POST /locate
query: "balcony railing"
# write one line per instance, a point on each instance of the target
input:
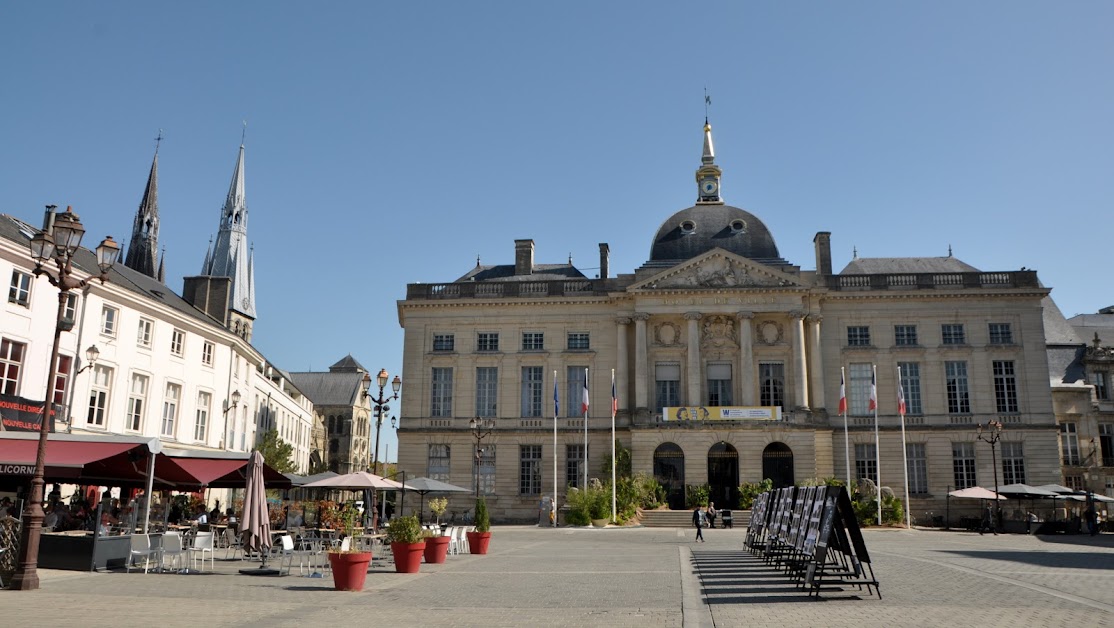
(506, 289)
(924, 281)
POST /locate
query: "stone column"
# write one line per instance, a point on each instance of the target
(800, 365)
(747, 377)
(622, 376)
(692, 361)
(816, 364)
(641, 396)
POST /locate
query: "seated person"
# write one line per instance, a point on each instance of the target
(201, 516)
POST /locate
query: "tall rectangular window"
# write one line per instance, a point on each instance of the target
(483, 459)
(69, 312)
(99, 390)
(533, 341)
(578, 341)
(858, 393)
(1005, 386)
(170, 410)
(866, 462)
(1013, 463)
(437, 466)
(143, 334)
(177, 342)
(667, 385)
(137, 402)
(771, 384)
(207, 353)
(62, 379)
(11, 364)
(905, 335)
(858, 336)
(487, 341)
(1001, 334)
(533, 385)
(959, 398)
(20, 290)
(719, 384)
(108, 320)
(575, 375)
(963, 465)
(1098, 380)
(487, 388)
(911, 385)
(1106, 443)
(529, 469)
(574, 465)
(918, 468)
(952, 334)
(201, 418)
(1069, 444)
(441, 392)
(444, 342)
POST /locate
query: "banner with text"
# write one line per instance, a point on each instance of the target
(722, 413)
(23, 415)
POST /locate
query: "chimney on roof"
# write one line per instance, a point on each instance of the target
(523, 257)
(823, 242)
(605, 259)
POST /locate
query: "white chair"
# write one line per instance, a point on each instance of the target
(285, 552)
(172, 548)
(202, 544)
(141, 546)
(451, 533)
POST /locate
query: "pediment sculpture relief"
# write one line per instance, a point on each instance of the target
(717, 272)
(719, 332)
(667, 334)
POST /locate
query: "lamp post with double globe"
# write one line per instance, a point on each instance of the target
(991, 435)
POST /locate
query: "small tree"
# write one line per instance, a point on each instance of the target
(623, 467)
(483, 521)
(277, 453)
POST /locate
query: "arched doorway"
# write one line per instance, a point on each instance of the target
(777, 464)
(723, 475)
(669, 471)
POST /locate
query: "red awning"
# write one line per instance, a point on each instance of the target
(74, 460)
(216, 472)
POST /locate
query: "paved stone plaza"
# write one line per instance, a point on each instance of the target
(620, 577)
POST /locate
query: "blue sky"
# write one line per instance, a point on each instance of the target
(392, 143)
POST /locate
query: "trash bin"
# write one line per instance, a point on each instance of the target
(726, 518)
(544, 510)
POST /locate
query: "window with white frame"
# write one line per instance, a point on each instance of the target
(487, 341)
(1005, 386)
(574, 465)
(69, 311)
(438, 462)
(137, 402)
(531, 391)
(1001, 334)
(20, 290)
(911, 385)
(858, 336)
(207, 353)
(441, 392)
(444, 342)
(487, 390)
(143, 335)
(574, 378)
(62, 379)
(866, 462)
(719, 384)
(201, 418)
(771, 384)
(100, 388)
(177, 341)
(108, 320)
(955, 379)
(170, 409)
(529, 469)
(918, 468)
(963, 465)
(905, 335)
(1069, 444)
(533, 341)
(860, 375)
(578, 341)
(952, 334)
(1013, 463)
(1098, 380)
(667, 385)
(484, 459)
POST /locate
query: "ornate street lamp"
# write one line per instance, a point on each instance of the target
(380, 403)
(481, 429)
(991, 435)
(60, 244)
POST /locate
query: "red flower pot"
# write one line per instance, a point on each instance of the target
(478, 541)
(408, 556)
(349, 570)
(436, 548)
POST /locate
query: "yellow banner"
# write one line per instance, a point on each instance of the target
(722, 413)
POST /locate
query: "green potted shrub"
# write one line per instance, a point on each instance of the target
(481, 537)
(407, 544)
(436, 546)
(349, 566)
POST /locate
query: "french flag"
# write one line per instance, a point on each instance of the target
(614, 399)
(584, 401)
(873, 393)
(900, 396)
(842, 394)
(556, 404)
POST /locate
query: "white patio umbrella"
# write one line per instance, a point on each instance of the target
(975, 492)
(358, 481)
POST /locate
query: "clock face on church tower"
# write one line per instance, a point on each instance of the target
(709, 187)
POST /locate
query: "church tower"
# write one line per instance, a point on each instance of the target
(708, 174)
(226, 286)
(143, 248)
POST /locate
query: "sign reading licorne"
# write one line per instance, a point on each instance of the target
(722, 413)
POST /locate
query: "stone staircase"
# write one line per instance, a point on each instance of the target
(683, 518)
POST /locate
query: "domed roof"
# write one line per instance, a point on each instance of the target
(698, 229)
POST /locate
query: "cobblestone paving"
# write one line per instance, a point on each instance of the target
(632, 577)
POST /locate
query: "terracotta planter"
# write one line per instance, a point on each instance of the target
(436, 548)
(349, 570)
(408, 556)
(478, 541)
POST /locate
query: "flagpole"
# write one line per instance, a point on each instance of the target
(904, 448)
(553, 506)
(613, 461)
(846, 437)
(877, 447)
(585, 406)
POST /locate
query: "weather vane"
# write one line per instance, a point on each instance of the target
(707, 103)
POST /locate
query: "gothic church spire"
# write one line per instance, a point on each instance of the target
(230, 256)
(143, 248)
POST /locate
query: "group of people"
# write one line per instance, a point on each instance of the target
(704, 517)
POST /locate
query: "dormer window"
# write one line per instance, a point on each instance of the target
(738, 226)
(688, 227)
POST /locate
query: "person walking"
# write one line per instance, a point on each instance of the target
(712, 514)
(698, 518)
(1092, 515)
(988, 521)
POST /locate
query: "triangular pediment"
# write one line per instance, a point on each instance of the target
(718, 269)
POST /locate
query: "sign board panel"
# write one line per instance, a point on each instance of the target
(721, 413)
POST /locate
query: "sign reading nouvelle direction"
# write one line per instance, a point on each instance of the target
(23, 415)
